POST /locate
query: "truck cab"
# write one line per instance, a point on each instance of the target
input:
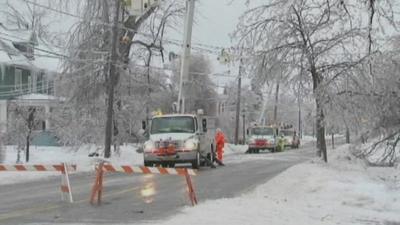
(262, 138)
(291, 138)
(178, 138)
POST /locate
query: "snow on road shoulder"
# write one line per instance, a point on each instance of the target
(344, 191)
(232, 149)
(57, 155)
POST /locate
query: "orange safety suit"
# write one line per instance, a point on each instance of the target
(220, 141)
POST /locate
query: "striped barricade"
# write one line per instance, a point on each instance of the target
(40, 168)
(103, 167)
(63, 168)
(148, 170)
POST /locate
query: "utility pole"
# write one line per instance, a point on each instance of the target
(238, 103)
(244, 128)
(111, 81)
(148, 99)
(261, 119)
(277, 97)
(187, 45)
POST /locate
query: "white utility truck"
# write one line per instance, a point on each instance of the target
(179, 138)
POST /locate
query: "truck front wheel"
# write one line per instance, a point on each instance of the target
(196, 162)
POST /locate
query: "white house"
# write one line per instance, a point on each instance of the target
(28, 66)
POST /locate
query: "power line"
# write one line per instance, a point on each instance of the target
(191, 73)
(201, 46)
(47, 51)
(65, 57)
(59, 56)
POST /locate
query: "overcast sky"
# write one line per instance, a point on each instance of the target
(215, 21)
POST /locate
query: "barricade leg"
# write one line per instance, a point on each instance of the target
(100, 190)
(65, 184)
(191, 191)
(98, 185)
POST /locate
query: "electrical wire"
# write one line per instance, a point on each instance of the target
(201, 46)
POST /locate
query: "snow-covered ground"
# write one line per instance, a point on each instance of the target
(344, 191)
(57, 155)
(128, 156)
(79, 157)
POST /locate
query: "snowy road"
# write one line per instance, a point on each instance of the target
(133, 199)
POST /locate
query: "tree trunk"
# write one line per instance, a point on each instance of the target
(244, 129)
(2, 149)
(148, 99)
(300, 130)
(27, 147)
(347, 135)
(276, 103)
(321, 142)
(30, 122)
(238, 107)
(111, 83)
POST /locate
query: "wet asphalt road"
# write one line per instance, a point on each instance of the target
(138, 198)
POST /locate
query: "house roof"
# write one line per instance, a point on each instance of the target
(43, 57)
(11, 56)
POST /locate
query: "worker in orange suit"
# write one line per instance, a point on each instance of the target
(220, 142)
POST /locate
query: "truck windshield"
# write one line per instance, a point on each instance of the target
(263, 131)
(178, 124)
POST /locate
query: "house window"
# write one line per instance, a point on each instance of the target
(18, 80)
(50, 87)
(39, 82)
(29, 84)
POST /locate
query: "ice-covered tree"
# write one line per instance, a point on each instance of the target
(87, 80)
(313, 36)
(23, 121)
(200, 91)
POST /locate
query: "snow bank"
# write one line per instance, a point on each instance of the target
(344, 191)
(307, 139)
(231, 149)
(57, 155)
(379, 153)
